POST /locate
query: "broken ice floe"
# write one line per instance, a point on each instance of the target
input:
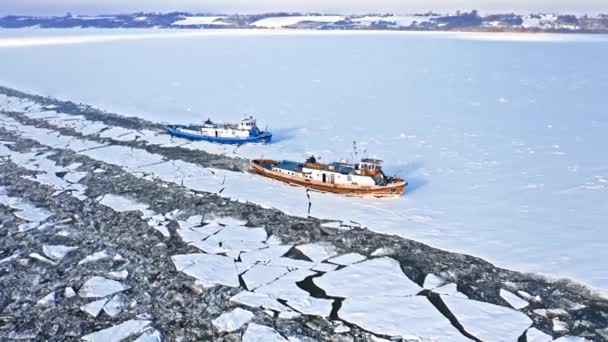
(411, 317)
(488, 322)
(112, 306)
(119, 332)
(97, 287)
(380, 276)
(232, 320)
(208, 269)
(261, 333)
(94, 308)
(318, 252)
(535, 335)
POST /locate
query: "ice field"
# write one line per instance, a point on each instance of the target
(502, 140)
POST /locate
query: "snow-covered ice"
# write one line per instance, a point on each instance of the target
(232, 320)
(467, 156)
(278, 22)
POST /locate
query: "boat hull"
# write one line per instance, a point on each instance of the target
(264, 137)
(390, 190)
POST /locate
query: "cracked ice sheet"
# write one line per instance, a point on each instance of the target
(118, 332)
(412, 317)
(208, 269)
(261, 333)
(285, 288)
(488, 322)
(318, 252)
(24, 210)
(375, 277)
(260, 275)
(121, 203)
(232, 320)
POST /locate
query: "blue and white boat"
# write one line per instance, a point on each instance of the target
(244, 132)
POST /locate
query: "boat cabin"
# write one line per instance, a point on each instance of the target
(370, 167)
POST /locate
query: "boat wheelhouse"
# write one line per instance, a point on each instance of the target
(246, 131)
(363, 178)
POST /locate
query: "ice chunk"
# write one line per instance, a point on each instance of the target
(209, 269)
(432, 281)
(411, 317)
(119, 275)
(151, 335)
(41, 258)
(69, 292)
(94, 257)
(97, 287)
(382, 251)
(94, 308)
(535, 335)
(57, 252)
(47, 300)
(233, 320)
(381, 276)
(261, 333)
(347, 259)
(10, 258)
(513, 299)
(114, 306)
(118, 332)
(488, 322)
(318, 252)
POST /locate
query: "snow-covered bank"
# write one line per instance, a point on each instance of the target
(502, 159)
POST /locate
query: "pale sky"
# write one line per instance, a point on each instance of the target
(60, 7)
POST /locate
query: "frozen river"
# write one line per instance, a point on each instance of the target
(503, 140)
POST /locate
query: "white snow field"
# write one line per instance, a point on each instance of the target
(501, 138)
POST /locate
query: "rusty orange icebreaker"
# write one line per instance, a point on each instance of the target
(362, 179)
